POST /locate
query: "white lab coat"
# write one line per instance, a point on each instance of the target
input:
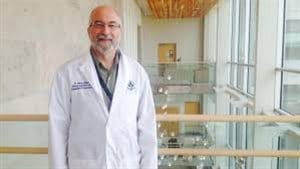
(84, 135)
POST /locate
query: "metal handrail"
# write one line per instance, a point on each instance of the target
(176, 151)
(23, 150)
(228, 118)
(177, 117)
(23, 117)
(226, 152)
(178, 63)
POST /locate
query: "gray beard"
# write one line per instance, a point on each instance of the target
(107, 50)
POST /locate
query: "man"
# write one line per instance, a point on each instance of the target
(101, 111)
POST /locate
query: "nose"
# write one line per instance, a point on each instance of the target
(106, 30)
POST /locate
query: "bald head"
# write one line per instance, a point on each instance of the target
(104, 30)
(105, 11)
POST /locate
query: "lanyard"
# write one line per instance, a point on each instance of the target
(102, 83)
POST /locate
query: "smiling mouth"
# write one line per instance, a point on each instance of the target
(105, 40)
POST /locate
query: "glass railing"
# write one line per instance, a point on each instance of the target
(197, 141)
(208, 162)
(179, 161)
(189, 135)
(181, 77)
(24, 161)
(24, 134)
(23, 142)
(183, 88)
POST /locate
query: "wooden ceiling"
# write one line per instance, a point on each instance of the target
(180, 8)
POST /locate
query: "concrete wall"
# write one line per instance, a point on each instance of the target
(132, 18)
(186, 33)
(38, 36)
(267, 44)
(211, 35)
(267, 38)
(217, 49)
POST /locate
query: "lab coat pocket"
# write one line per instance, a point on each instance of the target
(131, 99)
(85, 143)
(132, 162)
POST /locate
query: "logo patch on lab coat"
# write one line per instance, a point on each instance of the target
(81, 85)
(131, 85)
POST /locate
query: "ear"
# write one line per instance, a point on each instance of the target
(89, 32)
(88, 29)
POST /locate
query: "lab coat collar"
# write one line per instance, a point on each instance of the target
(120, 87)
(89, 72)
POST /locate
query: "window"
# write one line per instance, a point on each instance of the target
(252, 47)
(232, 128)
(237, 132)
(241, 131)
(242, 68)
(231, 134)
(243, 44)
(288, 141)
(290, 61)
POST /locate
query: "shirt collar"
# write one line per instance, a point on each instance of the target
(116, 59)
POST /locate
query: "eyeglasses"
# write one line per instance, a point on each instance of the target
(100, 25)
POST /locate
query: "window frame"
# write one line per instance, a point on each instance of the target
(280, 69)
(235, 63)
